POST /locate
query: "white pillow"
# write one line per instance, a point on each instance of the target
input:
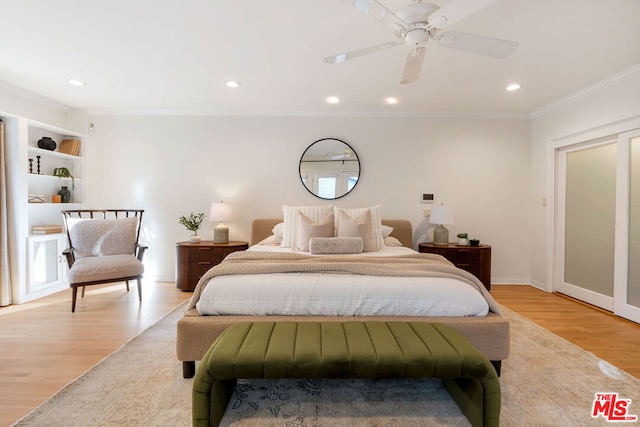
(392, 242)
(290, 227)
(357, 213)
(308, 229)
(386, 230)
(278, 230)
(358, 227)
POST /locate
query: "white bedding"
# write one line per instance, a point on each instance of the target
(339, 294)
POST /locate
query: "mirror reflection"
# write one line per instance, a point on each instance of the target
(329, 168)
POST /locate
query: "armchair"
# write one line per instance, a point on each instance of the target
(103, 248)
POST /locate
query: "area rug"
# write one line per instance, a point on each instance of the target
(546, 381)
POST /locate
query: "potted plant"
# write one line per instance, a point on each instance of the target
(65, 173)
(64, 192)
(192, 223)
(462, 239)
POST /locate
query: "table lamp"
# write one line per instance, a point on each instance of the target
(220, 212)
(441, 215)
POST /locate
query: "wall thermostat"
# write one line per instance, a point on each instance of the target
(426, 198)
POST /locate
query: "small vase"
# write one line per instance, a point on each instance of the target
(65, 194)
(46, 143)
(195, 238)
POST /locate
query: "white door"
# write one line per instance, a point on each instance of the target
(586, 222)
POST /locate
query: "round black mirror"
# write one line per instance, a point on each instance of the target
(329, 168)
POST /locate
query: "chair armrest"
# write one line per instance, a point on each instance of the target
(140, 251)
(70, 256)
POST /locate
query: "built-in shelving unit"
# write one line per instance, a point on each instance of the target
(41, 268)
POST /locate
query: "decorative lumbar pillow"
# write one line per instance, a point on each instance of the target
(308, 229)
(99, 237)
(335, 245)
(361, 227)
(290, 224)
(358, 214)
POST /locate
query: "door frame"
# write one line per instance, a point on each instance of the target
(613, 130)
(621, 263)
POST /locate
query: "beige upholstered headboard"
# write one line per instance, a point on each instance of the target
(402, 230)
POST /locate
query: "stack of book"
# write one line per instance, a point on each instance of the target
(46, 229)
(70, 146)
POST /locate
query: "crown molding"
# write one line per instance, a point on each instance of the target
(297, 113)
(628, 74)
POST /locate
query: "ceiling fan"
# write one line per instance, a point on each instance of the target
(420, 22)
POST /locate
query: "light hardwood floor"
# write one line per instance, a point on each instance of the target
(44, 346)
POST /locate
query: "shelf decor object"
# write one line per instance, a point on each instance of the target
(46, 143)
(220, 212)
(65, 194)
(441, 215)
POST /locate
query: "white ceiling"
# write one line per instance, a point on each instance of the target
(176, 55)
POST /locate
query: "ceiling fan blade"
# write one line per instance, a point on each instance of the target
(456, 10)
(480, 45)
(341, 57)
(413, 65)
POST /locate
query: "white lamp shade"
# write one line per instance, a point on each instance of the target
(220, 212)
(441, 215)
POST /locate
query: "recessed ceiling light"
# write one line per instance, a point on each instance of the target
(75, 82)
(513, 86)
(232, 84)
(333, 100)
(392, 100)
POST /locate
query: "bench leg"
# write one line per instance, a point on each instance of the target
(188, 369)
(139, 289)
(220, 396)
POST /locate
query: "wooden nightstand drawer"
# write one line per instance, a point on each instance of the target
(474, 259)
(195, 259)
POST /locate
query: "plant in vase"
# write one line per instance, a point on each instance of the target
(462, 239)
(64, 192)
(192, 223)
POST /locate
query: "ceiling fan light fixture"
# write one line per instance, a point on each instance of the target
(333, 100)
(513, 87)
(232, 84)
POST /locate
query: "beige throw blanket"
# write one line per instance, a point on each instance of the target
(415, 265)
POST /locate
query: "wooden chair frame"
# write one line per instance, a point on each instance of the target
(103, 214)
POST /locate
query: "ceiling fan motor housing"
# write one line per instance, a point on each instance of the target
(416, 37)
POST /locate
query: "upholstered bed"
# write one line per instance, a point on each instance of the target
(489, 332)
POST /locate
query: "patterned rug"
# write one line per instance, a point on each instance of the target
(546, 381)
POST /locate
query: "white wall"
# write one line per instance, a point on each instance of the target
(171, 166)
(606, 106)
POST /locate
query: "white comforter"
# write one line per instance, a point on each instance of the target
(340, 294)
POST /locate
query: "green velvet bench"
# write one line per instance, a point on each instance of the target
(350, 349)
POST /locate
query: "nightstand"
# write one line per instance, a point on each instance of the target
(474, 259)
(195, 259)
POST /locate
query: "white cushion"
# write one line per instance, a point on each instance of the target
(290, 213)
(93, 268)
(97, 237)
(361, 227)
(357, 215)
(308, 229)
